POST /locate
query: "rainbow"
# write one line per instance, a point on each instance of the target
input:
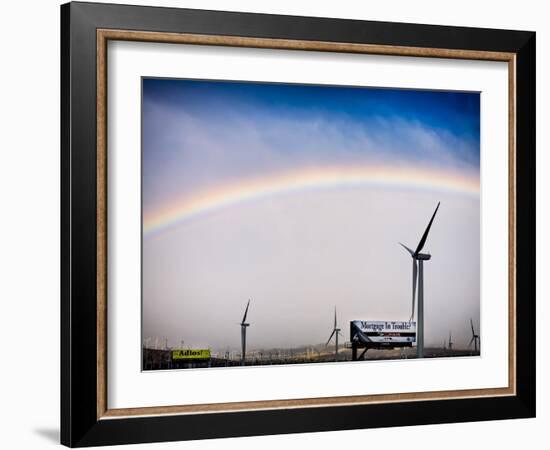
(254, 188)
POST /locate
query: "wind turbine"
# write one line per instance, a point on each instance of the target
(450, 342)
(418, 272)
(335, 333)
(475, 337)
(243, 333)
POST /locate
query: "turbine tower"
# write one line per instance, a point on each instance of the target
(475, 338)
(335, 333)
(243, 333)
(418, 272)
(450, 342)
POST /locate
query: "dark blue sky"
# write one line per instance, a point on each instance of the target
(457, 112)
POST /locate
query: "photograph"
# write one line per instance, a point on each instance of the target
(280, 222)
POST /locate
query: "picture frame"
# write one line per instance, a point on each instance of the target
(86, 29)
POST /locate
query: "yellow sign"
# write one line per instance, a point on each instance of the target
(191, 354)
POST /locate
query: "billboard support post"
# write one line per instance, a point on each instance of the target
(354, 347)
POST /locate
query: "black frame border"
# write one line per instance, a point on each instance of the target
(79, 423)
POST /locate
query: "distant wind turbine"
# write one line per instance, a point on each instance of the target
(335, 333)
(450, 342)
(243, 333)
(475, 338)
(418, 272)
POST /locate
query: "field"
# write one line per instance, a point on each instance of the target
(155, 359)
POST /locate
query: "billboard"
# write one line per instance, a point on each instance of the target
(380, 333)
(191, 354)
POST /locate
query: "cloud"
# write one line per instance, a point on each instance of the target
(183, 152)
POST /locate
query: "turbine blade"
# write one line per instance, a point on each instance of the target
(470, 344)
(246, 311)
(415, 276)
(331, 334)
(407, 248)
(472, 325)
(335, 326)
(425, 235)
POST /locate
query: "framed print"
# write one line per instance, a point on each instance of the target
(276, 224)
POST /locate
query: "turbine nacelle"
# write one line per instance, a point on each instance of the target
(415, 255)
(423, 256)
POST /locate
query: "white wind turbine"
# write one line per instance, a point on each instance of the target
(244, 325)
(475, 338)
(418, 272)
(335, 333)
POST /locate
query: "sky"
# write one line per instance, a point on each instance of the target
(296, 196)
